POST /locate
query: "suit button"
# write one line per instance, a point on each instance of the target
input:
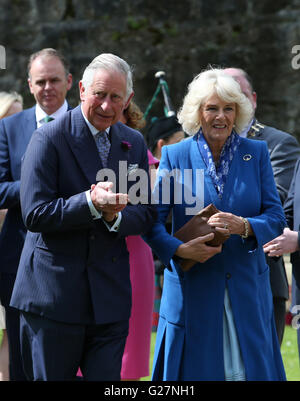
(114, 259)
(228, 275)
(92, 237)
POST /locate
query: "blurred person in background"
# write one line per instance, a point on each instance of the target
(163, 131)
(10, 103)
(49, 80)
(284, 151)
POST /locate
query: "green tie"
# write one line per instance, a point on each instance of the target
(47, 119)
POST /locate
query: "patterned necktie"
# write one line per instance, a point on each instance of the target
(47, 119)
(103, 145)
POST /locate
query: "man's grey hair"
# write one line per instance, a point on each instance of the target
(108, 61)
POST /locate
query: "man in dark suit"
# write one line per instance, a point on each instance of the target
(73, 284)
(49, 80)
(289, 241)
(284, 151)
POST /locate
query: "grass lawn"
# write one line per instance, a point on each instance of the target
(289, 351)
(290, 356)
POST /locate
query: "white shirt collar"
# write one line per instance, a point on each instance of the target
(40, 114)
(93, 129)
(246, 130)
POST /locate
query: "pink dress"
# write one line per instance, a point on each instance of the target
(135, 363)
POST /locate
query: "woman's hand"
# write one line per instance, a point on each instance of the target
(230, 222)
(197, 250)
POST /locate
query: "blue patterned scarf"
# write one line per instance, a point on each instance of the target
(219, 173)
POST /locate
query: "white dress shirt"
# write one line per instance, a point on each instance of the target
(94, 212)
(40, 114)
(247, 129)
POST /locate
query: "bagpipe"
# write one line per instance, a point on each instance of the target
(163, 87)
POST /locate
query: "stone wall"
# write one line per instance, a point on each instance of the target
(179, 37)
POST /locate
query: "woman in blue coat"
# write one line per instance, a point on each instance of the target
(216, 319)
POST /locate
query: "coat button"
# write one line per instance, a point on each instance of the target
(228, 275)
(92, 237)
(114, 259)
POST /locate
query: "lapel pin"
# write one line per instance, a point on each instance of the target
(247, 157)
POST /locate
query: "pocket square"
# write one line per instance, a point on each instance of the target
(132, 168)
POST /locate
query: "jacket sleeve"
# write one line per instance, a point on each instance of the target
(283, 159)
(163, 244)
(271, 221)
(43, 208)
(289, 202)
(9, 188)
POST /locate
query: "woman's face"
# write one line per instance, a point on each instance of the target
(217, 119)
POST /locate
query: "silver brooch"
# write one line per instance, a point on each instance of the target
(247, 157)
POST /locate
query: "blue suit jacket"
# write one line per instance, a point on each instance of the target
(189, 343)
(15, 134)
(72, 268)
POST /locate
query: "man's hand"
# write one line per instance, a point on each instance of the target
(197, 250)
(285, 243)
(106, 201)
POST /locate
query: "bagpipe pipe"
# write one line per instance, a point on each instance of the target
(163, 87)
(165, 126)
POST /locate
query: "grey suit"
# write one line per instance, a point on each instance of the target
(292, 213)
(284, 151)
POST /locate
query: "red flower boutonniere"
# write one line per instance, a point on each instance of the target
(126, 145)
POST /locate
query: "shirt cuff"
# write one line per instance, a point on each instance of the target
(98, 215)
(115, 227)
(94, 212)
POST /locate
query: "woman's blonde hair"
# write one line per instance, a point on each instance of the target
(6, 101)
(204, 85)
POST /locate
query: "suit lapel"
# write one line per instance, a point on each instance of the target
(83, 146)
(29, 124)
(117, 151)
(85, 150)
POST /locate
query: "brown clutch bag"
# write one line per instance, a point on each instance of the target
(196, 227)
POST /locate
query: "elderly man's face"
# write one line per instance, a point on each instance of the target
(105, 99)
(244, 84)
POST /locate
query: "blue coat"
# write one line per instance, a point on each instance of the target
(72, 269)
(190, 334)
